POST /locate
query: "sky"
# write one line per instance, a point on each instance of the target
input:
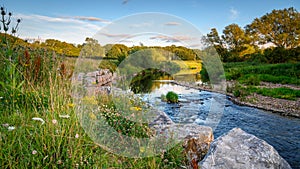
(151, 22)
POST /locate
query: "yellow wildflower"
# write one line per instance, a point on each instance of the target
(71, 105)
(92, 116)
(135, 108)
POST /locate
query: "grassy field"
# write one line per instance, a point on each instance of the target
(285, 73)
(38, 125)
(188, 67)
(251, 74)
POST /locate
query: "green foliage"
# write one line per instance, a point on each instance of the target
(108, 64)
(280, 27)
(279, 79)
(240, 91)
(142, 82)
(288, 70)
(115, 112)
(92, 48)
(172, 97)
(61, 48)
(212, 68)
(204, 74)
(250, 79)
(118, 51)
(281, 93)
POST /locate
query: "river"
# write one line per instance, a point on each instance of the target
(283, 133)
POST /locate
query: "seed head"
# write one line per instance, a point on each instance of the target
(3, 12)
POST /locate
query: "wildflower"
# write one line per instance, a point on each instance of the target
(71, 105)
(1, 97)
(64, 116)
(10, 128)
(54, 121)
(3, 12)
(5, 125)
(142, 149)
(92, 116)
(135, 108)
(38, 119)
(34, 152)
(59, 162)
(77, 136)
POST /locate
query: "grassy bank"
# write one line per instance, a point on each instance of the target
(285, 73)
(38, 125)
(250, 75)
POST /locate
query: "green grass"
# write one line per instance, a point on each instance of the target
(35, 85)
(286, 73)
(281, 93)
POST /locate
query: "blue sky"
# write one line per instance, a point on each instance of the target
(72, 21)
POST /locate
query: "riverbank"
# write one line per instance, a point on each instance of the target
(284, 107)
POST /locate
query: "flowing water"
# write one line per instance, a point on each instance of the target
(283, 133)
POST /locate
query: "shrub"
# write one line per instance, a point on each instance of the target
(172, 97)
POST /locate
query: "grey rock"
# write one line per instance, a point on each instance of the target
(239, 150)
(195, 139)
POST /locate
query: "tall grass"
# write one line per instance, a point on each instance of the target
(38, 126)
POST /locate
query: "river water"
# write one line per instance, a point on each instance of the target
(283, 133)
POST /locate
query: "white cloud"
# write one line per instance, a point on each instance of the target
(69, 29)
(172, 24)
(172, 38)
(234, 14)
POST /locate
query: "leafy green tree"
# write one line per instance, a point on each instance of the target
(92, 48)
(118, 51)
(215, 39)
(280, 27)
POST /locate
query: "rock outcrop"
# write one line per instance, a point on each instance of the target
(238, 149)
(98, 78)
(195, 139)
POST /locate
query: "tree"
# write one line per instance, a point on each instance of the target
(92, 48)
(118, 51)
(234, 37)
(215, 39)
(62, 48)
(280, 27)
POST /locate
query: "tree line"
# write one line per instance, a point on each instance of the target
(272, 38)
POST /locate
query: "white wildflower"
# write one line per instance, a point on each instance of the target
(1, 97)
(54, 121)
(34, 152)
(77, 136)
(10, 128)
(5, 125)
(38, 119)
(65, 116)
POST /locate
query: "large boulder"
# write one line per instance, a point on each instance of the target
(238, 149)
(195, 139)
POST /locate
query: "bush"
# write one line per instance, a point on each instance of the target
(172, 97)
